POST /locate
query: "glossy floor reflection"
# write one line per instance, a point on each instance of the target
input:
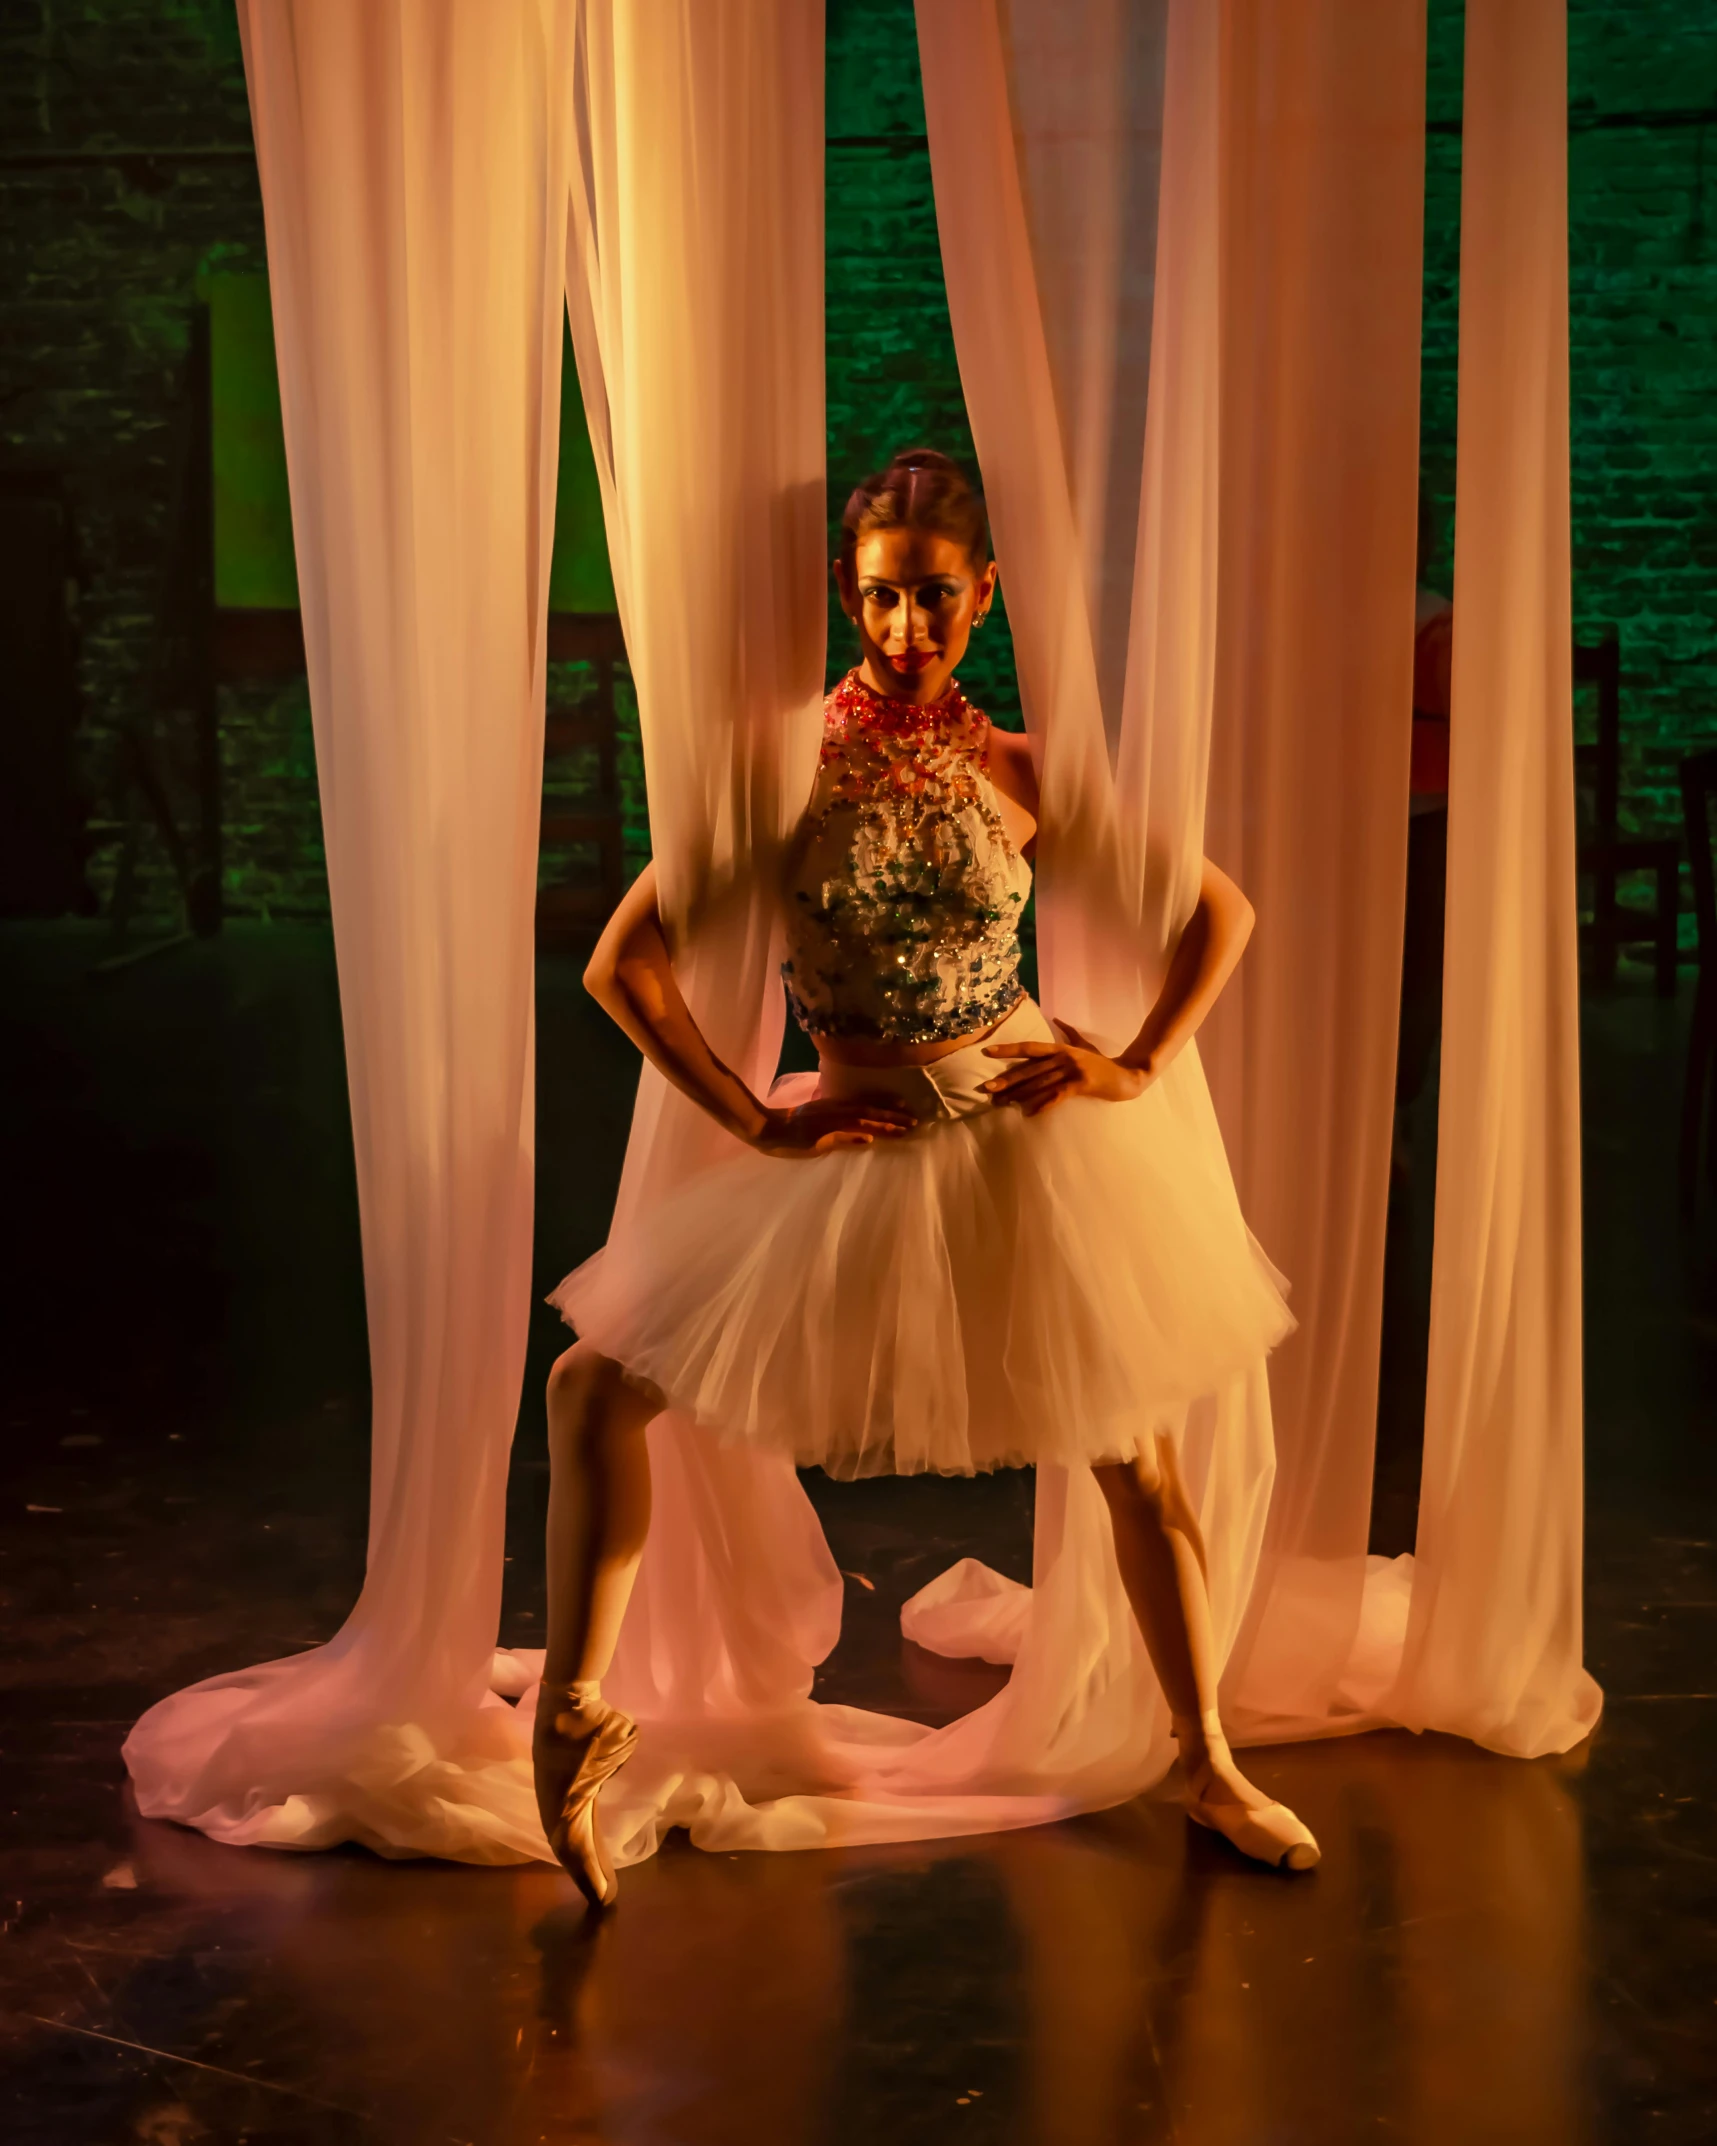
(1102, 1981)
(1490, 1951)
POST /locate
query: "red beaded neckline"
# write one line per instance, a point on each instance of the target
(856, 697)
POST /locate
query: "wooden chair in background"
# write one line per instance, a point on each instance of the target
(44, 808)
(170, 769)
(209, 635)
(1699, 1095)
(269, 645)
(1605, 853)
(572, 910)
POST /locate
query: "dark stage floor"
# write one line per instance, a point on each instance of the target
(1491, 1951)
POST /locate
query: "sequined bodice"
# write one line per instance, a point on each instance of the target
(903, 891)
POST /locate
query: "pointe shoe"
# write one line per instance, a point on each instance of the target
(1267, 1832)
(570, 1770)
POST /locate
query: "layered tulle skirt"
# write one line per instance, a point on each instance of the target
(989, 1291)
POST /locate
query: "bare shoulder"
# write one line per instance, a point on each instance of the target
(1012, 768)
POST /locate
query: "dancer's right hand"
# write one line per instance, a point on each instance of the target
(830, 1122)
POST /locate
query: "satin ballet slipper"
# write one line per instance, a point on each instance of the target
(571, 1763)
(1266, 1832)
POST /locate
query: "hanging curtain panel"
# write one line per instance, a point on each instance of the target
(695, 288)
(1243, 367)
(1270, 632)
(695, 279)
(1494, 1636)
(414, 185)
(1182, 251)
(1322, 159)
(1077, 188)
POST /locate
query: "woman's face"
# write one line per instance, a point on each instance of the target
(913, 595)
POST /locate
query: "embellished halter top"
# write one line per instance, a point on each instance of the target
(903, 891)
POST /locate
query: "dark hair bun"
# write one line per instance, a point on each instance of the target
(921, 488)
(925, 458)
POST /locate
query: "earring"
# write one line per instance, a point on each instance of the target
(978, 617)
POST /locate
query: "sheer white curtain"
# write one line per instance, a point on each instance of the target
(1047, 142)
(1262, 576)
(1494, 1638)
(695, 286)
(695, 273)
(1181, 246)
(415, 163)
(1322, 155)
(1269, 576)
(414, 186)
(1074, 156)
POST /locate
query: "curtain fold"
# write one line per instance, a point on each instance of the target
(1074, 158)
(413, 182)
(1322, 163)
(1060, 170)
(1240, 363)
(1182, 255)
(1272, 304)
(1493, 1646)
(694, 277)
(694, 280)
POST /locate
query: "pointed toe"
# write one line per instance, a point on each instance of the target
(571, 1774)
(1265, 1833)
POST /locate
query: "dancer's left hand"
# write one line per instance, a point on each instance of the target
(1048, 1073)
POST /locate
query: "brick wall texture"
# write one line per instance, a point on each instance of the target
(125, 171)
(125, 167)
(1642, 97)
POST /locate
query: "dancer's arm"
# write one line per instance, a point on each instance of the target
(631, 977)
(1204, 958)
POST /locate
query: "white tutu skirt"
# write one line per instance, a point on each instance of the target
(987, 1292)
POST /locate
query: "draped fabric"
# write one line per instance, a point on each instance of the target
(1322, 154)
(1264, 579)
(1494, 1634)
(1181, 244)
(413, 185)
(1047, 143)
(1260, 621)
(695, 280)
(694, 277)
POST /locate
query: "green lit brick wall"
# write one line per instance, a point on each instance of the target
(127, 183)
(1643, 333)
(125, 169)
(125, 172)
(1643, 357)
(892, 377)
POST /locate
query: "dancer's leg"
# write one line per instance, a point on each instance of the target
(599, 1515)
(1160, 1550)
(598, 1510)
